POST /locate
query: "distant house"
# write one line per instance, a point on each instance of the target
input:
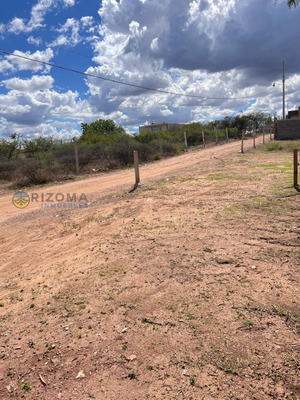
(164, 127)
(294, 114)
(289, 128)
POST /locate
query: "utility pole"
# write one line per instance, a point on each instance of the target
(283, 82)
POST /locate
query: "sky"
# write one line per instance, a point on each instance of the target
(227, 52)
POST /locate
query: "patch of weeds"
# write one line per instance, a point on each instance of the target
(281, 146)
(171, 307)
(162, 184)
(50, 346)
(26, 386)
(215, 177)
(90, 219)
(67, 227)
(90, 327)
(292, 316)
(149, 367)
(248, 323)
(232, 209)
(275, 167)
(1, 304)
(132, 375)
(226, 362)
(124, 347)
(192, 380)
(9, 373)
(32, 305)
(118, 193)
(246, 306)
(184, 179)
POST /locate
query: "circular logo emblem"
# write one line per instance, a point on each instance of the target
(21, 199)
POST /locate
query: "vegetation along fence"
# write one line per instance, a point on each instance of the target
(103, 146)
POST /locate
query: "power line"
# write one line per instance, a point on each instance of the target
(131, 84)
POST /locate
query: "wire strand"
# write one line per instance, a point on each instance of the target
(131, 84)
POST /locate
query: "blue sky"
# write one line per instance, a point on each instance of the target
(228, 51)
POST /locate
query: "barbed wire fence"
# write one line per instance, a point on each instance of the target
(75, 156)
(159, 146)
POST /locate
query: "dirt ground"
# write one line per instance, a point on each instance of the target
(187, 288)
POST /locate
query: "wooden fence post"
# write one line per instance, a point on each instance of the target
(254, 134)
(270, 133)
(160, 146)
(203, 139)
(216, 135)
(227, 135)
(136, 167)
(242, 143)
(295, 168)
(76, 156)
(264, 134)
(185, 141)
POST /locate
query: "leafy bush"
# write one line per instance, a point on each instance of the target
(35, 172)
(274, 146)
(102, 145)
(9, 169)
(283, 145)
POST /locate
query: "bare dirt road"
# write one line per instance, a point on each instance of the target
(187, 288)
(105, 183)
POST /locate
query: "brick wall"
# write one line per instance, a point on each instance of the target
(287, 129)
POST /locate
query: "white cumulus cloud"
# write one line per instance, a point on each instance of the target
(34, 84)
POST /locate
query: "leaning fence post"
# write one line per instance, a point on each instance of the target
(136, 167)
(76, 156)
(227, 135)
(185, 141)
(203, 139)
(295, 168)
(242, 143)
(254, 134)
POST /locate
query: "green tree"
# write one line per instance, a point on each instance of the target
(193, 133)
(256, 119)
(291, 3)
(269, 120)
(38, 145)
(97, 129)
(240, 121)
(11, 147)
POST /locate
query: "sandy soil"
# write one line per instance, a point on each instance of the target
(187, 288)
